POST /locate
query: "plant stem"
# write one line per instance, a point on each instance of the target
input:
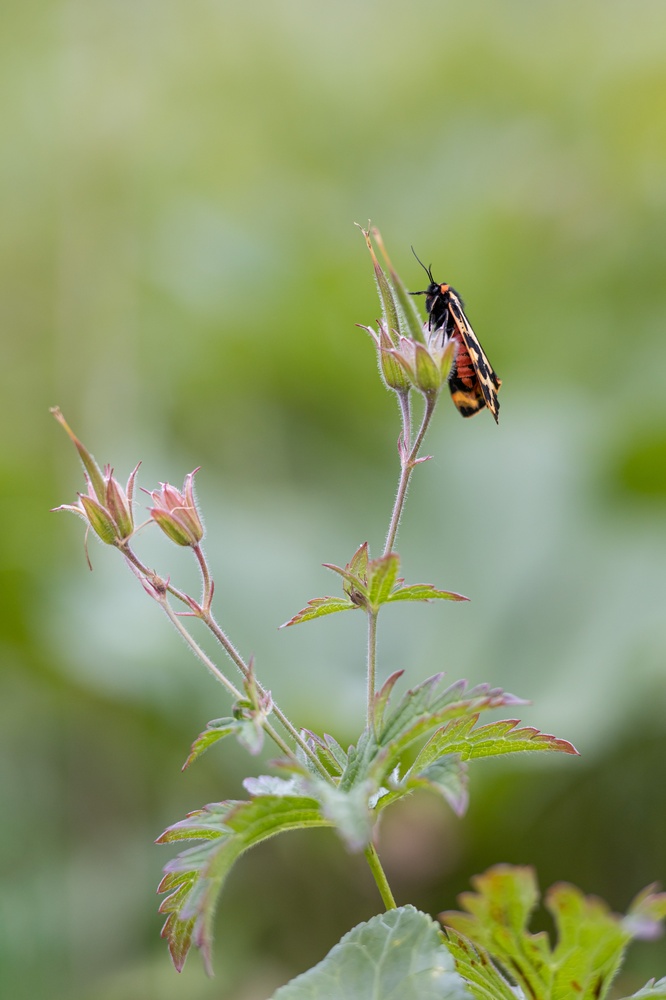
(380, 877)
(229, 649)
(216, 672)
(205, 577)
(372, 666)
(134, 561)
(408, 463)
(238, 660)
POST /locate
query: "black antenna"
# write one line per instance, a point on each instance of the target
(428, 270)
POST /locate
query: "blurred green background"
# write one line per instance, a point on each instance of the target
(182, 276)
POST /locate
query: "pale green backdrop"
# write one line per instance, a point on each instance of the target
(182, 276)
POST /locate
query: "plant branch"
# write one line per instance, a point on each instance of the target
(216, 672)
(408, 463)
(238, 660)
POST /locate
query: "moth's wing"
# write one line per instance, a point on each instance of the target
(485, 373)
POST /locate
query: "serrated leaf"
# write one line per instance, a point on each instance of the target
(328, 751)
(424, 592)
(358, 564)
(217, 730)
(382, 576)
(382, 697)
(460, 737)
(398, 955)
(318, 607)
(420, 710)
(591, 940)
(483, 979)
(195, 877)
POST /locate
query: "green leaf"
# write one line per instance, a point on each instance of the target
(448, 776)
(320, 606)
(217, 730)
(373, 763)
(484, 980)
(382, 575)
(460, 737)
(358, 564)
(195, 877)
(424, 592)
(382, 697)
(591, 940)
(348, 811)
(651, 991)
(398, 955)
(420, 710)
(330, 752)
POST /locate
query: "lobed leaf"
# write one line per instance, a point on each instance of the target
(460, 737)
(424, 592)
(382, 576)
(591, 940)
(398, 955)
(194, 878)
(320, 606)
(217, 730)
(483, 979)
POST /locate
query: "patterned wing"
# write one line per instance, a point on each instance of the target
(474, 383)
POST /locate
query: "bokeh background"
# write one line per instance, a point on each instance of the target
(182, 275)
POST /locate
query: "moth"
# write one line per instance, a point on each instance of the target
(473, 383)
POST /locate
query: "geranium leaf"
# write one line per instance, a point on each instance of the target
(591, 940)
(424, 592)
(398, 955)
(195, 877)
(318, 607)
(460, 737)
(382, 575)
(483, 979)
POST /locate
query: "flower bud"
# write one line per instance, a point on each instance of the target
(106, 507)
(176, 513)
(98, 518)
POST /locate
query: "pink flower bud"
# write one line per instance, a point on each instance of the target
(176, 512)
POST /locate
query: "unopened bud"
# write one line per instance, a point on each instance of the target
(176, 513)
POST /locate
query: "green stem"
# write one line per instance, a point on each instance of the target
(408, 463)
(380, 877)
(205, 577)
(150, 574)
(216, 672)
(238, 660)
(372, 666)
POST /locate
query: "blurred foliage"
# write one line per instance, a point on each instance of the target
(182, 276)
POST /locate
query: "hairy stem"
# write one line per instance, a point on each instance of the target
(205, 577)
(149, 574)
(216, 672)
(238, 660)
(408, 462)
